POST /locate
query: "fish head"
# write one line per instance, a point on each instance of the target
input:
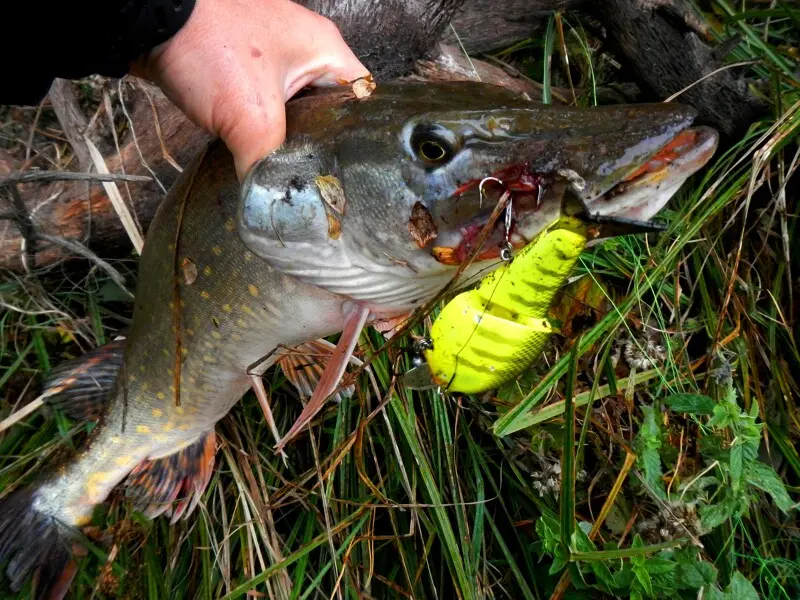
(380, 199)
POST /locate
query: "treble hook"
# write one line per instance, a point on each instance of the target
(480, 188)
(505, 253)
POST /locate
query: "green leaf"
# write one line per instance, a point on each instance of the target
(741, 589)
(549, 531)
(624, 579)
(636, 595)
(657, 566)
(765, 478)
(603, 573)
(643, 577)
(581, 539)
(696, 404)
(688, 576)
(708, 571)
(737, 464)
(560, 560)
(648, 442)
(716, 514)
(722, 417)
(691, 572)
(715, 594)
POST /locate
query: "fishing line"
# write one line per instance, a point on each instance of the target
(506, 257)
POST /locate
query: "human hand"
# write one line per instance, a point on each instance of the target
(235, 63)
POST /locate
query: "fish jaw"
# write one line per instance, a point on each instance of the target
(644, 193)
(401, 218)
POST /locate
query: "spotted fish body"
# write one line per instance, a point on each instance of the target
(229, 273)
(486, 336)
(224, 329)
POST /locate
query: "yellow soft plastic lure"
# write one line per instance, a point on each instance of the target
(488, 335)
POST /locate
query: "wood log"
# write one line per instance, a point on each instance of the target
(486, 25)
(660, 45)
(74, 210)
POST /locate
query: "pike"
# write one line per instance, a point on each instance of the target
(362, 216)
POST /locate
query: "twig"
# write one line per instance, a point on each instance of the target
(466, 54)
(78, 248)
(110, 114)
(165, 153)
(29, 408)
(32, 134)
(25, 225)
(33, 176)
(73, 122)
(744, 63)
(123, 212)
(135, 139)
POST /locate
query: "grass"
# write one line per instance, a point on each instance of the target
(679, 477)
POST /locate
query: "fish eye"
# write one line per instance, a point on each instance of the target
(432, 146)
(432, 150)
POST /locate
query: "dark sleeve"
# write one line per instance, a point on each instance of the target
(72, 39)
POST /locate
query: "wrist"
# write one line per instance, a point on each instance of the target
(148, 26)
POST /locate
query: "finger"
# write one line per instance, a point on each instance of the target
(252, 127)
(324, 58)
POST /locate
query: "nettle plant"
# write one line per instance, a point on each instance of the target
(664, 559)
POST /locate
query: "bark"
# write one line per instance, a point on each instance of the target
(72, 120)
(658, 42)
(81, 211)
(388, 36)
(485, 25)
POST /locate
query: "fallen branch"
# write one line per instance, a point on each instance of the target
(41, 176)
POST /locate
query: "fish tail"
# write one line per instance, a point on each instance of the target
(33, 541)
(82, 387)
(40, 524)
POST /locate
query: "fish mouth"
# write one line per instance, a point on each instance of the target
(639, 193)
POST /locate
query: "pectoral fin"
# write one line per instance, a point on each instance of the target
(304, 366)
(354, 322)
(389, 327)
